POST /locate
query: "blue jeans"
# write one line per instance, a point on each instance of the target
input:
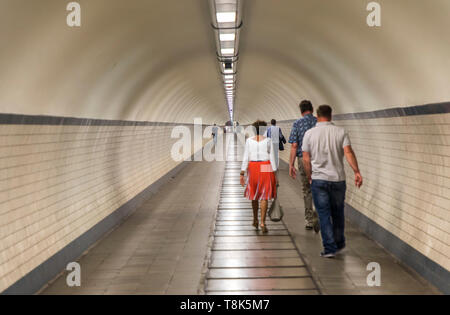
(329, 199)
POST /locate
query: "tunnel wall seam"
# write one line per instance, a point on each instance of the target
(404, 156)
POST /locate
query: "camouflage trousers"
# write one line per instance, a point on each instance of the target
(310, 214)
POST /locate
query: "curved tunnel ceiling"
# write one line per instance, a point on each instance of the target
(324, 51)
(155, 60)
(130, 60)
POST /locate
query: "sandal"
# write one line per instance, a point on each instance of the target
(264, 229)
(255, 224)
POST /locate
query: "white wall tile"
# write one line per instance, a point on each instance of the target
(56, 182)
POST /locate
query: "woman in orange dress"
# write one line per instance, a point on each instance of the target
(259, 162)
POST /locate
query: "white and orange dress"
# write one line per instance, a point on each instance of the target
(259, 161)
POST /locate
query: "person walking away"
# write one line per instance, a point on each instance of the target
(214, 133)
(274, 132)
(324, 148)
(300, 127)
(259, 163)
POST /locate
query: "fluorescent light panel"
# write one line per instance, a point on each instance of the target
(228, 14)
(226, 17)
(227, 37)
(227, 51)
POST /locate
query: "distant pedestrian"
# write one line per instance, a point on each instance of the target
(324, 148)
(215, 130)
(259, 162)
(300, 127)
(274, 132)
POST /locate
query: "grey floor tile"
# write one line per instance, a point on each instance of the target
(255, 262)
(251, 239)
(253, 246)
(257, 273)
(261, 292)
(254, 254)
(251, 233)
(260, 284)
(151, 242)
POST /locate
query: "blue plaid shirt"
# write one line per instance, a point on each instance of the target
(300, 127)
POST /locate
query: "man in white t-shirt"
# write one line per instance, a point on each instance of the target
(324, 148)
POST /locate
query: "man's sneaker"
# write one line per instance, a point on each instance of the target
(309, 226)
(316, 226)
(340, 250)
(327, 255)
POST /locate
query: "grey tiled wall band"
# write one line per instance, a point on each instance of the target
(429, 109)
(16, 119)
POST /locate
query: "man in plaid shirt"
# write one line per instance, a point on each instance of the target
(300, 127)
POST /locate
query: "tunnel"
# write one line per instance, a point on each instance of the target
(95, 95)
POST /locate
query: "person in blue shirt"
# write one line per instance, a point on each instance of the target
(300, 127)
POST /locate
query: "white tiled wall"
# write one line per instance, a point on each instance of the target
(56, 182)
(405, 162)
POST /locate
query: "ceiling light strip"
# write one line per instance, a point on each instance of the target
(226, 22)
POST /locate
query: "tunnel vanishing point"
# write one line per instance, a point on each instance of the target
(93, 95)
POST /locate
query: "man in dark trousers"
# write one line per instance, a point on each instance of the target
(300, 127)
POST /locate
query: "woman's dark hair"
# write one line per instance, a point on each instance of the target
(258, 124)
(306, 106)
(273, 122)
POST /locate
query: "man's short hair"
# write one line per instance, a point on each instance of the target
(324, 111)
(273, 122)
(306, 106)
(258, 125)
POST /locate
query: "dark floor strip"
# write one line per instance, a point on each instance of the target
(246, 261)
